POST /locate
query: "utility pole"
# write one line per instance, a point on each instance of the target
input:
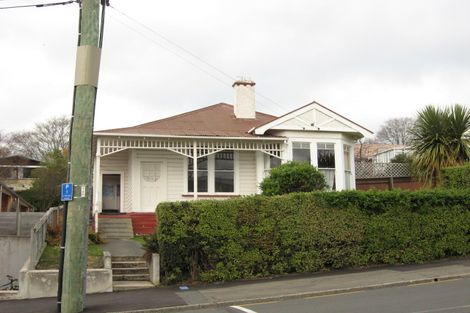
(86, 82)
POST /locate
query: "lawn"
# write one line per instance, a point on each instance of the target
(139, 239)
(50, 257)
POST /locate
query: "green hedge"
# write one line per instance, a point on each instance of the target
(456, 177)
(258, 236)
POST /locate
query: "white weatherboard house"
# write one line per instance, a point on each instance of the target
(218, 151)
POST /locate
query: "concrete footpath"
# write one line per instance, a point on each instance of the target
(171, 299)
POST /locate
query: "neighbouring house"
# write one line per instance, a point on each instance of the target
(10, 201)
(386, 155)
(219, 151)
(378, 153)
(374, 169)
(16, 170)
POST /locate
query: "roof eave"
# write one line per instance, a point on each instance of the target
(187, 137)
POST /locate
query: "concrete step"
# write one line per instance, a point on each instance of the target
(131, 277)
(115, 236)
(118, 226)
(131, 270)
(126, 258)
(128, 264)
(115, 228)
(131, 285)
(114, 220)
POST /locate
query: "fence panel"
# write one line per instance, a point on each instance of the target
(366, 170)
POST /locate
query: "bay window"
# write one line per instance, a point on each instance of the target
(301, 152)
(326, 162)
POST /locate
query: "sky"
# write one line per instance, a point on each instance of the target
(369, 60)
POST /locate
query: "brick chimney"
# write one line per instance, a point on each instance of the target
(244, 99)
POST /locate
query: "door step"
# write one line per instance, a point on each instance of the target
(115, 228)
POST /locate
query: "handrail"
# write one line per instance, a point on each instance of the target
(38, 235)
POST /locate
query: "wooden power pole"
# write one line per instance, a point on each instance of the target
(86, 82)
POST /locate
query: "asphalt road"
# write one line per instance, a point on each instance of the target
(452, 296)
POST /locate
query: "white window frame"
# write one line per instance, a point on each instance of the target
(211, 176)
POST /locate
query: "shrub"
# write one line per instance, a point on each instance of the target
(402, 158)
(456, 177)
(94, 237)
(150, 246)
(213, 240)
(293, 177)
(53, 235)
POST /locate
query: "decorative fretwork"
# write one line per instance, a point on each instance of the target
(382, 170)
(107, 146)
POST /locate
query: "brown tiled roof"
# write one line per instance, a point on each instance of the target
(215, 120)
(18, 160)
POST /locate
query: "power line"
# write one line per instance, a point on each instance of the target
(180, 47)
(39, 5)
(171, 42)
(170, 50)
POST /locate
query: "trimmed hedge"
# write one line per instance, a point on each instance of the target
(456, 177)
(257, 236)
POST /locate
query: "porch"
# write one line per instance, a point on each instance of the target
(134, 174)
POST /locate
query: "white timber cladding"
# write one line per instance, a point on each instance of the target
(117, 163)
(247, 179)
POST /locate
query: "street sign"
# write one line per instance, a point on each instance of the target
(66, 192)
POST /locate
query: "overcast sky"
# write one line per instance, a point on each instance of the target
(369, 60)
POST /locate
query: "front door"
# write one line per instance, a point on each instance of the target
(111, 195)
(152, 185)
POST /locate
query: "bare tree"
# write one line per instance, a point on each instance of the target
(48, 136)
(4, 151)
(395, 131)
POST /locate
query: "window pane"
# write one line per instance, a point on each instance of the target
(326, 158)
(347, 158)
(201, 164)
(274, 162)
(301, 152)
(301, 145)
(201, 181)
(301, 155)
(224, 161)
(224, 182)
(27, 172)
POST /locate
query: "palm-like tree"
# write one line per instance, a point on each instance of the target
(440, 138)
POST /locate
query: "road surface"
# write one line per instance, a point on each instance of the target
(451, 296)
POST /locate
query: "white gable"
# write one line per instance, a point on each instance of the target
(314, 117)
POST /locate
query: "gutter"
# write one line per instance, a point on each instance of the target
(189, 137)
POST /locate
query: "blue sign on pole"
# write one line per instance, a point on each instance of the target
(66, 192)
